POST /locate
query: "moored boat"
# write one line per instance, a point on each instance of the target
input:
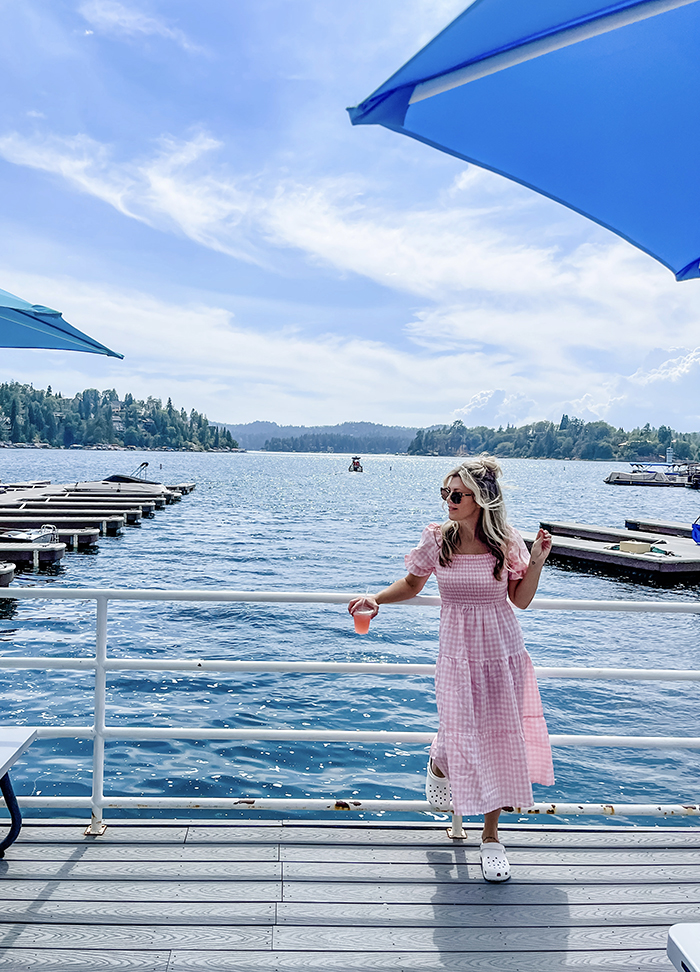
(654, 474)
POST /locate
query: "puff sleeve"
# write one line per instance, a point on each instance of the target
(518, 556)
(423, 559)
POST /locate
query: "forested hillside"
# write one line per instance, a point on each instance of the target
(333, 442)
(345, 437)
(570, 439)
(94, 418)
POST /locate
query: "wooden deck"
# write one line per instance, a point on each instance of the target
(251, 896)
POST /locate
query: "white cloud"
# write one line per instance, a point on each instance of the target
(495, 407)
(109, 16)
(543, 323)
(665, 394)
(203, 358)
(160, 191)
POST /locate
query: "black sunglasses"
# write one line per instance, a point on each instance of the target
(454, 496)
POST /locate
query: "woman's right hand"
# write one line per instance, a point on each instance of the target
(364, 603)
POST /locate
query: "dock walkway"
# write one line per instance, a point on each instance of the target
(277, 896)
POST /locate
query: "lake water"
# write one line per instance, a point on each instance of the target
(260, 521)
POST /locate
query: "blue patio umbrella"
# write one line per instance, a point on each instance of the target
(25, 325)
(593, 104)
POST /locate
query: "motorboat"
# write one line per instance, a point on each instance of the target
(654, 474)
(355, 465)
(44, 534)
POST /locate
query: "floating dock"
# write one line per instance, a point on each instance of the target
(183, 488)
(32, 554)
(132, 516)
(668, 527)
(20, 501)
(75, 539)
(106, 525)
(79, 512)
(666, 557)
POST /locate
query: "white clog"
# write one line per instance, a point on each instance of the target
(437, 791)
(494, 863)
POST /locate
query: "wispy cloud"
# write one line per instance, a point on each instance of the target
(525, 320)
(112, 17)
(205, 358)
(161, 190)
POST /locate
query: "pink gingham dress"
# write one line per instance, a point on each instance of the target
(492, 742)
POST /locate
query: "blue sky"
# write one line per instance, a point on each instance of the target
(181, 180)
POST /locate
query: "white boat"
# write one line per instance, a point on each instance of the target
(654, 474)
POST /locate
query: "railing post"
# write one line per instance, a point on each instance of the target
(456, 831)
(97, 826)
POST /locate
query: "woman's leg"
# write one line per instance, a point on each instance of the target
(435, 769)
(494, 863)
(490, 831)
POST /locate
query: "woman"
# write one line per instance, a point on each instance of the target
(492, 742)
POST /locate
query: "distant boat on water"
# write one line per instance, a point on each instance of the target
(655, 474)
(355, 465)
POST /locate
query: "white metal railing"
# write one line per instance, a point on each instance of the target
(101, 664)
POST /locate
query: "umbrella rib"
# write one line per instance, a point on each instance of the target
(555, 40)
(78, 340)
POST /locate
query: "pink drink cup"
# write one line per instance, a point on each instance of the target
(362, 620)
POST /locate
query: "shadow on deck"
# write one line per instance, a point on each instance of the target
(274, 895)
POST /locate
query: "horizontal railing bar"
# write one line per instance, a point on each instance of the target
(631, 607)
(344, 805)
(330, 668)
(339, 735)
(628, 742)
(146, 594)
(55, 801)
(41, 662)
(64, 732)
(325, 597)
(603, 674)
(273, 735)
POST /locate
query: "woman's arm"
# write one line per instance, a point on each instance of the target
(522, 591)
(400, 590)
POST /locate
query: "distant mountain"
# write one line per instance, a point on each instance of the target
(368, 436)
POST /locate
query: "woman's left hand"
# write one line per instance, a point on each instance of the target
(541, 548)
(364, 603)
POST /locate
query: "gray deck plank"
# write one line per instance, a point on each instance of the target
(478, 892)
(73, 833)
(148, 852)
(141, 870)
(159, 891)
(83, 960)
(622, 960)
(545, 856)
(439, 873)
(164, 912)
(533, 836)
(134, 937)
(482, 915)
(465, 940)
(235, 835)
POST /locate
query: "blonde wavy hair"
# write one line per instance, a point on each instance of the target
(480, 475)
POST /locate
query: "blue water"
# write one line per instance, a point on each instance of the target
(301, 522)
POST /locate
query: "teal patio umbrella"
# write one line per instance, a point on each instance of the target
(25, 325)
(590, 102)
